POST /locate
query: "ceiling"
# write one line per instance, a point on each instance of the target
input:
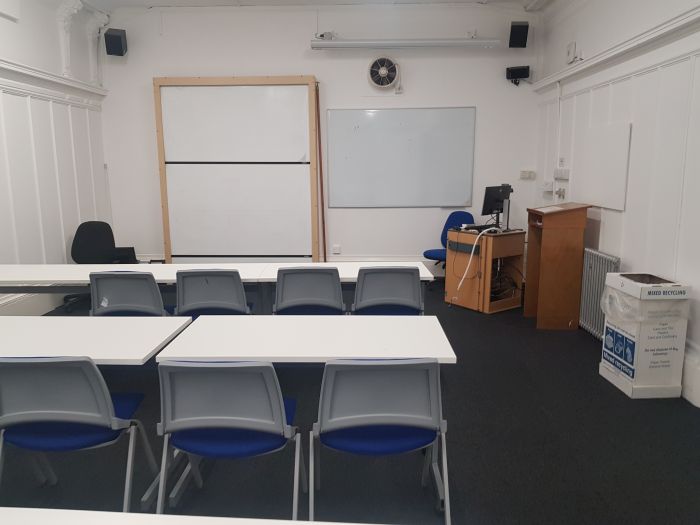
(110, 5)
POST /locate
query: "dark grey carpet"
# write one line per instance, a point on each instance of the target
(535, 435)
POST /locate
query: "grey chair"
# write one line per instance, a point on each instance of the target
(223, 410)
(125, 293)
(210, 292)
(388, 291)
(63, 404)
(378, 408)
(308, 291)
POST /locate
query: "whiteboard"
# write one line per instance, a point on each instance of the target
(400, 157)
(601, 167)
(233, 209)
(236, 123)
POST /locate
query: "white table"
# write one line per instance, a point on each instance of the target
(348, 270)
(58, 278)
(75, 278)
(25, 516)
(106, 340)
(65, 278)
(310, 339)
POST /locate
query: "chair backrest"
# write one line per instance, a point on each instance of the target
(93, 243)
(308, 290)
(57, 389)
(385, 287)
(210, 292)
(244, 395)
(386, 392)
(125, 293)
(455, 220)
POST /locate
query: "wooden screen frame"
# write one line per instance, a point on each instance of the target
(301, 80)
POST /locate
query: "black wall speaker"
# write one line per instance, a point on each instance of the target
(518, 34)
(115, 42)
(516, 74)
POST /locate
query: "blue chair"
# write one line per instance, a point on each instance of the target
(224, 410)
(308, 291)
(379, 408)
(210, 292)
(63, 404)
(388, 291)
(454, 220)
(125, 294)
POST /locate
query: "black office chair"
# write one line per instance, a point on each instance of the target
(93, 243)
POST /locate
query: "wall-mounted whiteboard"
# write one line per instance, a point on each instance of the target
(236, 123)
(239, 210)
(401, 157)
(601, 166)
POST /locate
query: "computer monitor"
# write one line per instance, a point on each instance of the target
(494, 198)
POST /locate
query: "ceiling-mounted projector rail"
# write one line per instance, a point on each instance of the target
(329, 41)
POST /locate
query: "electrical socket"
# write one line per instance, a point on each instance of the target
(561, 174)
(335, 249)
(528, 175)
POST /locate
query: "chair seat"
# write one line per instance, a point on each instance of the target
(56, 436)
(232, 442)
(378, 440)
(437, 254)
(387, 309)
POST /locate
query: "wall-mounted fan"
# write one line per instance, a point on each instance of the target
(384, 73)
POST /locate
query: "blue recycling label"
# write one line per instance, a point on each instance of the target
(619, 344)
(619, 351)
(629, 351)
(609, 340)
(620, 365)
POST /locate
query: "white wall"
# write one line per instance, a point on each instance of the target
(597, 25)
(51, 166)
(33, 39)
(657, 89)
(275, 41)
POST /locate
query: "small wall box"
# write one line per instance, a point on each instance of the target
(644, 339)
(115, 42)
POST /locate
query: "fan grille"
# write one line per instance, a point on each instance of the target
(383, 72)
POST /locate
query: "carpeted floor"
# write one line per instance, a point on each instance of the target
(535, 436)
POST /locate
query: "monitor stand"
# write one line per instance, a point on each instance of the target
(506, 213)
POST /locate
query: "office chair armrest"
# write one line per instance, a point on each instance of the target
(125, 255)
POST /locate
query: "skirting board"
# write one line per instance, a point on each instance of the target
(29, 304)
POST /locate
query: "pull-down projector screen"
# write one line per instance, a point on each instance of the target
(237, 170)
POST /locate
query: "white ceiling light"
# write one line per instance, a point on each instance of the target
(328, 40)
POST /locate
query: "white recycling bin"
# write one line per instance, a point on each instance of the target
(646, 319)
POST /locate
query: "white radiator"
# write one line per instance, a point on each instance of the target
(596, 265)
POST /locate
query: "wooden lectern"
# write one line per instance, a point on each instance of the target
(494, 280)
(555, 265)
